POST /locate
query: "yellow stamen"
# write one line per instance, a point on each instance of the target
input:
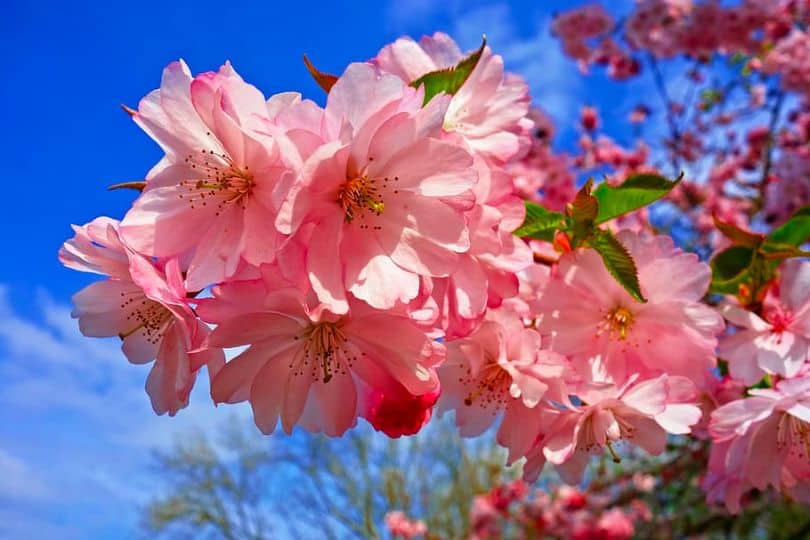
(620, 320)
(358, 194)
(325, 342)
(493, 381)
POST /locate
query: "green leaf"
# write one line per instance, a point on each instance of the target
(636, 192)
(324, 80)
(795, 231)
(540, 223)
(773, 251)
(737, 235)
(618, 262)
(585, 206)
(449, 80)
(731, 268)
(583, 211)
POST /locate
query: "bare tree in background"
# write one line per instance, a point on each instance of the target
(213, 491)
(249, 488)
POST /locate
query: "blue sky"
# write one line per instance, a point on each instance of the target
(76, 429)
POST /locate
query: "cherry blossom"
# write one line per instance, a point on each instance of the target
(610, 336)
(771, 422)
(397, 412)
(486, 274)
(489, 111)
(362, 256)
(399, 525)
(500, 367)
(640, 412)
(146, 307)
(384, 204)
(306, 365)
(220, 182)
(778, 343)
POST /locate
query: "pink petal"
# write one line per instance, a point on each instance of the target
(324, 264)
(297, 391)
(649, 435)
(271, 388)
(170, 380)
(743, 318)
(249, 328)
(372, 276)
(337, 402)
(678, 418)
(160, 224)
(794, 287)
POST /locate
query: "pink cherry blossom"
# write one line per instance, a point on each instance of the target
(722, 485)
(576, 26)
(531, 281)
(640, 412)
(571, 498)
(486, 274)
(670, 27)
(504, 495)
(400, 525)
(610, 336)
(397, 412)
(779, 342)
(385, 203)
(589, 118)
(762, 440)
(614, 524)
(788, 187)
(302, 120)
(484, 518)
(361, 255)
(501, 367)
(213, 197)
(145, 306)
(307, 365)
(714, 393)
(645, 483)
(791, 59)
(489, 110)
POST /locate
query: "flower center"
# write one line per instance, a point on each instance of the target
(780, 319)
(359, 194)
(793, 434)
(220, 181)
(325, 350)
(146, 315)
(590, 437)
(618, 322)
(490, 386)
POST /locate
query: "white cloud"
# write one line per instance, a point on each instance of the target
(75, 421)
(402, 15)
(554, 80)
(19, 480)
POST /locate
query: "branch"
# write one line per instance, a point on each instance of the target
(775, 111)
(674, 131)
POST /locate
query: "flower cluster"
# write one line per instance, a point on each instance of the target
(772, 422)
(338, 242)
(597, 367)
(768, 30)
(374, 258)
(750, 178)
